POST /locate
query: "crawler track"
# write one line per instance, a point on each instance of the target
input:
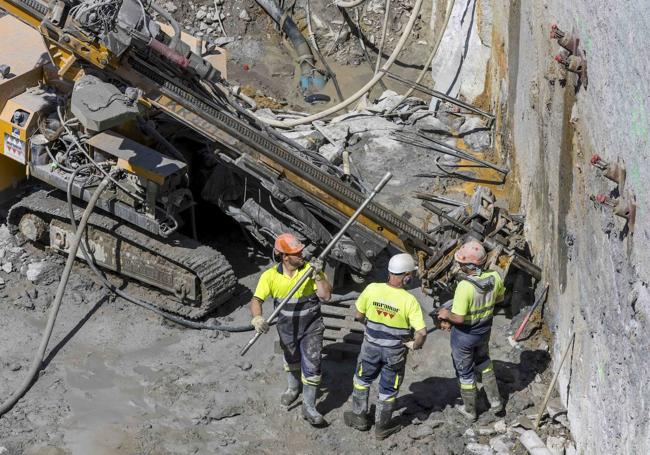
(161, 260)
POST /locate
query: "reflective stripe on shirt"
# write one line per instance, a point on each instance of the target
(383, 335)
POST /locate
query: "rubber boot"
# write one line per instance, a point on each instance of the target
(492, 391)
(358, 417)
(293, 388)
(309, 412)
(384, 426)
(468, 408)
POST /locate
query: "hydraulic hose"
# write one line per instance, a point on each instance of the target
(427, 65)
(288, 26)
(365, 89)
(149, 306)
(170, 19)
(74, 246)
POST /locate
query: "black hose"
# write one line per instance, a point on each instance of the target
(307, 61)
(149, 306)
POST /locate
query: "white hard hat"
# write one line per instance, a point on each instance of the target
(401, 263)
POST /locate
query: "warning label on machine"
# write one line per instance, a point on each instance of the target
(14, 148)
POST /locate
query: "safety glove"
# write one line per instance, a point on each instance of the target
(260, 324)
(318, 266)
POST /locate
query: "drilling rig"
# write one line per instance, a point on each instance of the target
(114, 89)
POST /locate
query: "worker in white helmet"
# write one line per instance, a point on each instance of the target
(390, 314)
(471, 319)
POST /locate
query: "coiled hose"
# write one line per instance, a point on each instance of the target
(54, 311)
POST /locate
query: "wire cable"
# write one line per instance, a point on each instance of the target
(427, 65)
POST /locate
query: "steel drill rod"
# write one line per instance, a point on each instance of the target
(540, 410)
(431, 144)
(321, 257)
(440, 95)
(440, 199)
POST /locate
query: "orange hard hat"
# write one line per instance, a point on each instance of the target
(288, 244)
(471, 252)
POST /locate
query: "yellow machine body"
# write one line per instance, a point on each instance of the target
(23, 50)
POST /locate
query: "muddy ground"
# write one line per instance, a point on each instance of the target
(119, 380)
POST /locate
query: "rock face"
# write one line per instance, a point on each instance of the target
(460, 65)
(598, 270)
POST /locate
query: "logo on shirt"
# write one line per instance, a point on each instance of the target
(384, 309)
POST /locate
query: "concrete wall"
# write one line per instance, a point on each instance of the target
(598, 271)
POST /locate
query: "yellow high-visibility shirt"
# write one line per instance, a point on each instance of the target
(275, 283)
(477, 307)
(390, 307)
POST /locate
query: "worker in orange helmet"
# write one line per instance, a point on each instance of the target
(471, 319)
(300, 323)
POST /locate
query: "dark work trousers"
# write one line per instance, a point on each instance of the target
(301, 339)
(387, 362)
(469, 353)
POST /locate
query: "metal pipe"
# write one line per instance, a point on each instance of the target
(321, 257)
(540, 411)
(444, 148)
(439, 95)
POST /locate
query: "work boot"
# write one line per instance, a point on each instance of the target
(309, 412)
(293, 388)
(468, 408)
(358, 417)
(384, 426)
(492, 391)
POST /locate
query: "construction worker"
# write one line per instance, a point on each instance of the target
(300, 323)
(471, 319)
(389, 313)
